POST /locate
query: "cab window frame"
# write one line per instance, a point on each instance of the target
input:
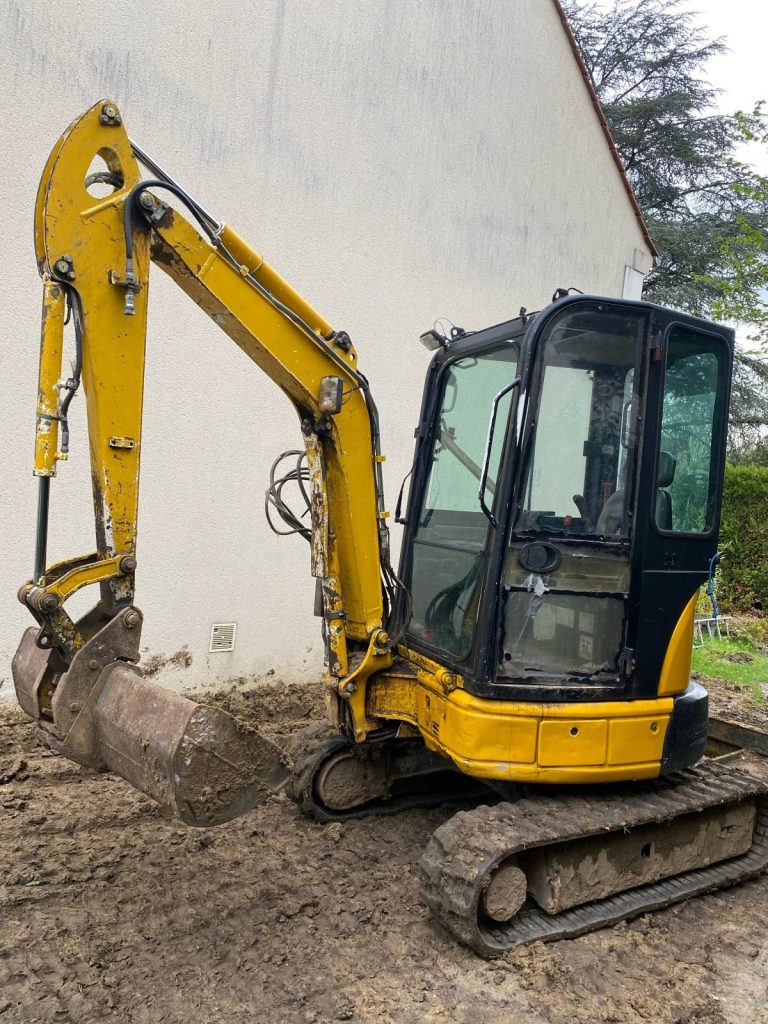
(511, 340)
(527, 442)
(719, 443)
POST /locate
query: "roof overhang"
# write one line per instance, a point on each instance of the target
(604, 125)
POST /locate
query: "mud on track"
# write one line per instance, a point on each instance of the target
(110, 912)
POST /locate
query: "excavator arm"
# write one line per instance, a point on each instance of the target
(78, 678)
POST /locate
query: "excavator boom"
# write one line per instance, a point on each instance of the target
(79, 678)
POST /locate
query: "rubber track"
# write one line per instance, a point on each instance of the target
(313, 745)
(463, 853)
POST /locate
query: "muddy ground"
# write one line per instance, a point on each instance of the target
(736, 703)
(108, 911)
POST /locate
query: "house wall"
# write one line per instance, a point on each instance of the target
(395, 161)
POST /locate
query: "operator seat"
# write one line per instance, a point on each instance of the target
(610, 520)
(664, 477)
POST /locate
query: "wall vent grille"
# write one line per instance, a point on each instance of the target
(222, 637)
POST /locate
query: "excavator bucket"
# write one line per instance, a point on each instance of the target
(197, 762)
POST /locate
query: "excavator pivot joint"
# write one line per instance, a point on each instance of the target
(110, 116)
(127, 565)
(64, 267)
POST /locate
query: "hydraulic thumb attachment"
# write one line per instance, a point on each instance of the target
(197, 762)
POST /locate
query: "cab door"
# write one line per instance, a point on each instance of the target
(566, 578)
(679, 493)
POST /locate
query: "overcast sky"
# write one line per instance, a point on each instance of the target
(741, 74)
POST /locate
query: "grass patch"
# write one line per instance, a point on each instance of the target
(721, 659)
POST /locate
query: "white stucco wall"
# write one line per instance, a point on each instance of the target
(396, 161)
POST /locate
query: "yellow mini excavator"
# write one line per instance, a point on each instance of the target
(563, 512)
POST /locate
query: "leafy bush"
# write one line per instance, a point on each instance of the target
(743, 575)
(750, 632)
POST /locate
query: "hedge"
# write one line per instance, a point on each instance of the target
(743, 575)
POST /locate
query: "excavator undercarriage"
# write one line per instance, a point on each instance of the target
(540, 865)
(558, 866)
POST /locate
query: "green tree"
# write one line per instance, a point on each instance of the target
(747, 441)
(743, 286)
(706, 210)
(647, 61)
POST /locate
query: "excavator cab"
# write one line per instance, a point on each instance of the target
(566, 500)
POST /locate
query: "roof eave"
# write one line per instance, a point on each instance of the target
(606, 130)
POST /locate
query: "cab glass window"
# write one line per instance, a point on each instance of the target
(449, 542)
(690, 450)
(569, 621)
(585, 431)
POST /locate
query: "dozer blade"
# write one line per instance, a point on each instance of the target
(197, 762)
(558, 866)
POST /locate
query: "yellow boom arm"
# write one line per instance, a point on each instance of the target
(94, 256)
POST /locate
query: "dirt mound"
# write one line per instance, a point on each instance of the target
(739, 657)
(111, 912)
(278, 709)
